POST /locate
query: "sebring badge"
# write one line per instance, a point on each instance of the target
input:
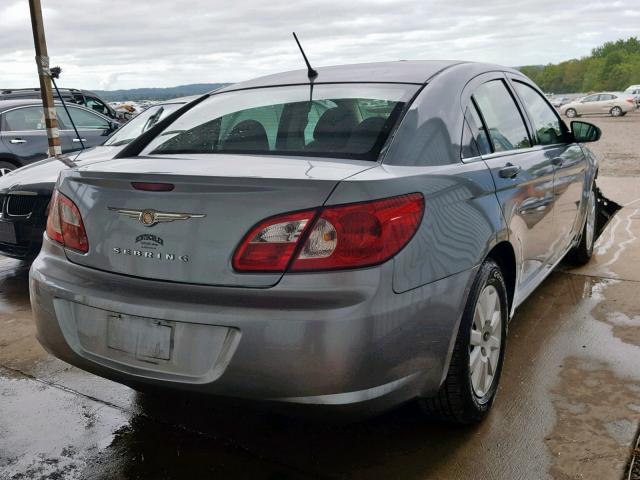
(150, 217)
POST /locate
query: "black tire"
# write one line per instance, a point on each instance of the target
(615, 112)
(6, 166)
(456, 401)
(582, 252)
(571, 113)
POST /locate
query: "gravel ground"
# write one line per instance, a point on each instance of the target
(619, 147)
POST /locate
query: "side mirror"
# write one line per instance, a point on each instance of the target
(584, 132)
(113, 126)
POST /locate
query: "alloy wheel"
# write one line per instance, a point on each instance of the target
(486, 341)
(4, 171)
(571, 113)
(616, 112)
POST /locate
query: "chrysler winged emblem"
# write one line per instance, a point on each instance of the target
(149, 217)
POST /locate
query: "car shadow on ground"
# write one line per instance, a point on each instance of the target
(313, 446)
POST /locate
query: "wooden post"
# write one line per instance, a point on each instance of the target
(42, 61)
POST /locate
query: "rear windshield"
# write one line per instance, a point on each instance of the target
(140, 124)
(333, 120)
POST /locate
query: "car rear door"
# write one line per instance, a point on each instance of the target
(605, 102)
(588, 105)
(523, 175)
(552, 136)
(24, 133)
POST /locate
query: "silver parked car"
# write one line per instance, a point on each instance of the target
(357, 242)
(605, 103)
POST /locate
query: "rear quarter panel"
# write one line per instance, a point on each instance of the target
(460, 220)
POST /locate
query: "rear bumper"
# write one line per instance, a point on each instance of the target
(340, 339)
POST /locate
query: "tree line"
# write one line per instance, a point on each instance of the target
(612, 66)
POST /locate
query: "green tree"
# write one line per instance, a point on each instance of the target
(611, 66)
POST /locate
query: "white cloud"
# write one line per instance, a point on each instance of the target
(123, 44)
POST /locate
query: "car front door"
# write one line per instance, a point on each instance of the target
(569, 163)
(24, 133)
(588, 105)
(93, 128)
(523, 175)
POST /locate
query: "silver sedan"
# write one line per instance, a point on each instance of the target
(354, 242)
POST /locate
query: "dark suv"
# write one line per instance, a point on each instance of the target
(72, 95)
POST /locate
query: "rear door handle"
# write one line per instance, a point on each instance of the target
(557, 162)
(17, 140)
(77, 140)
(509, 171)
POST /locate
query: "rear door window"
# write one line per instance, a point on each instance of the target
(23, 119)
(501, 116)
(548, 129)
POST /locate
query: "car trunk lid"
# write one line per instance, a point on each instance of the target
(219, 197)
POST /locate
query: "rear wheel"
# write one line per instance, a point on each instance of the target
(582, 252)
(6, 167)
(616, 112)
(472, 380)
(571, 113)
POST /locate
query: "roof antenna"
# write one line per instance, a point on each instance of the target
(311, 73)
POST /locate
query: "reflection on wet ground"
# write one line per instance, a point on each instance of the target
(568, 405)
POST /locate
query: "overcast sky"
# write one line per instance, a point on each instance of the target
(110, 44)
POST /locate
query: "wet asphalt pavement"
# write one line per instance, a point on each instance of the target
(568, 405)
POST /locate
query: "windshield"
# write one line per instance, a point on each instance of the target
(140, 124)
(342, 120)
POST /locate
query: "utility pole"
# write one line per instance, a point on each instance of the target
(42, 61)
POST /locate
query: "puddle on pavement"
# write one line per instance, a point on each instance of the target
(14, 294)
(596, 397)
(56, 434)
(597, 417)
(620, 309)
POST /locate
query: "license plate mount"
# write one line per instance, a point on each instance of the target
(146, 339)
(8, 233)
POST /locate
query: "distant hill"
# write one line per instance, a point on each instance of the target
(158, 93)
(611, 66)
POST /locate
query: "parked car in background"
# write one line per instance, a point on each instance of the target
(634, 90)
(559, 101)
(605, 103)
(85, 98)
(23, 133)
(25, 193)
(355, 242)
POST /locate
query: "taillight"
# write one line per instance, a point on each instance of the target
(54, 230)
(64, 223)
(630, 100)
(331, 238)
(269, 246)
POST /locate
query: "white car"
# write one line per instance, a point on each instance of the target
(606, 103)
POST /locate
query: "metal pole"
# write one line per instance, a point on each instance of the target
(42, 61)
(64, 105)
